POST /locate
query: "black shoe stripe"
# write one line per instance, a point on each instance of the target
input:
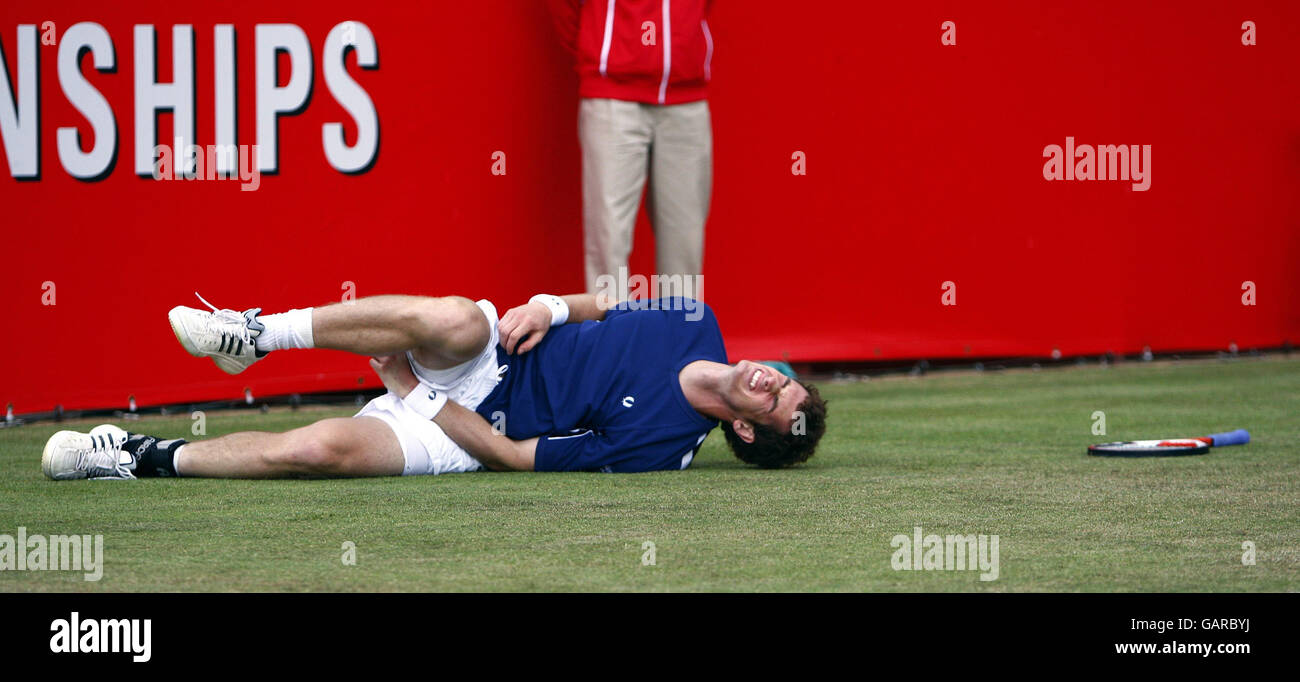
(241, 347)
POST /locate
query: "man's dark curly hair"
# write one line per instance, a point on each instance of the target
(772, 449)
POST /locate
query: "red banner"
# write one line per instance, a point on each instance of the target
(891, 181)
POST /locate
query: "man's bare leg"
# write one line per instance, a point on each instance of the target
(439, 332)
(442, 332)
(358, 446)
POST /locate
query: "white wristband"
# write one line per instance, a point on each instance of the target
(559, 309)
(426, 402)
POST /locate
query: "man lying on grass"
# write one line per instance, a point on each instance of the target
(558, 384)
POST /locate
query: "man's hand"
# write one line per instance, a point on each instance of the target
(395, 371)
(531, 320)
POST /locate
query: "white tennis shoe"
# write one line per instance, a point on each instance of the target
(224, 335)
(71, 455)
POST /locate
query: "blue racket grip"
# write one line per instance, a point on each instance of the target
(1238, 437)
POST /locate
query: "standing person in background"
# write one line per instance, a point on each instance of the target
(644, 69)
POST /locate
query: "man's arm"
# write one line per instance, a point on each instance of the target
(532, 320)
(468, 429)
(464, 427)
(583, 307)
(472, 432)
(484, 443)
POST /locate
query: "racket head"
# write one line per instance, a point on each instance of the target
(1168, 447)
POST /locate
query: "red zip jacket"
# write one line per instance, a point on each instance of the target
(612, 42)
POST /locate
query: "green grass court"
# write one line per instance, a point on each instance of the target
(957, 453)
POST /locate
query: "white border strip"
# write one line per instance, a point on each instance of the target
(668, 52)
(708, 53)
(609, 36)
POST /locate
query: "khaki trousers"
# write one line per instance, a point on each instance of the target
(623, 144)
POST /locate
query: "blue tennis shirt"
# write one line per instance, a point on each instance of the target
(604, 395)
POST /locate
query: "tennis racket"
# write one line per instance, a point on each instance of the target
(1169, 447)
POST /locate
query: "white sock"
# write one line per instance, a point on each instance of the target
(176, 460)
(286, 330)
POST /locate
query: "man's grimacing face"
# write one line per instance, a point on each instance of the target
(761, 395)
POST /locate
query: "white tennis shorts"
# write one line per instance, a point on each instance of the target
(425, 447)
